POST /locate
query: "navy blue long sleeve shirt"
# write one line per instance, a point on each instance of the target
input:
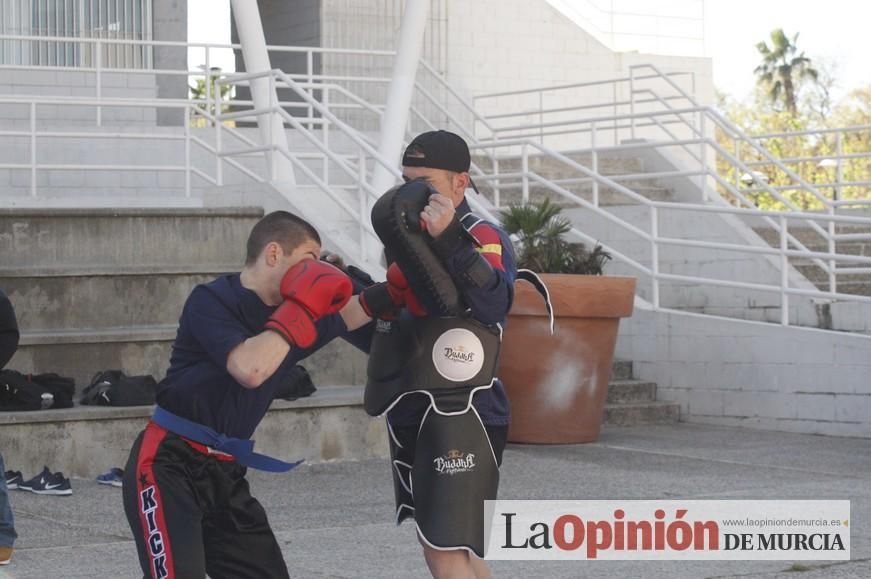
(217, 317)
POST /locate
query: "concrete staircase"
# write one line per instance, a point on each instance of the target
(101, 289)
(633, 402)
(857, 284)
(621, 169)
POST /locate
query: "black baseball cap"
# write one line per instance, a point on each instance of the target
(439, 150)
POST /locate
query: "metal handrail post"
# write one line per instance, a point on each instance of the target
(208, 80)
(363, 203)
(187, 152)
(497, 191)
(524, 168)
(33, 149)
(614, 97)
(310, 66)
(833, 279)
(839, 168)
(219, 168)
(784, 273)
(273, 170)
(325, 130)
(632, 102)
(594, 161)
(737, 158)
(98, 79)
(703, 161)
(654, 256)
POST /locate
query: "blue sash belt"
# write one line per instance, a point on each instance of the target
(241, 449)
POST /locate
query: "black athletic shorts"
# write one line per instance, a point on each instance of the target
(191, 512)
(403, 441)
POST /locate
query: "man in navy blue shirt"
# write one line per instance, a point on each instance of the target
(185, 493)
(482, 265)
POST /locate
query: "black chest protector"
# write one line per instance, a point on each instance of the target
(448, 354)
(447, 358)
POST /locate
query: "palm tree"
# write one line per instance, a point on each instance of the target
(781, 69)
(539, 230)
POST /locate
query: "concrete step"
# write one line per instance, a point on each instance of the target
(103, 238)
(630, 391)
(634, 414)
(621, 370)
(146, 350)
(813, 241)
(87, 441)
(96, 298)
(856, 284)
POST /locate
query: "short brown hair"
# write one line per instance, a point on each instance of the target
(282, 227)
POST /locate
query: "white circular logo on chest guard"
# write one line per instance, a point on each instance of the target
(458, 355)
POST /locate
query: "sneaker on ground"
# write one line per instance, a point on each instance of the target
(5, 555)
(47, 483)
(113, 477)
(13, 479)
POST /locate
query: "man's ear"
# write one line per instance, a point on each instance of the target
(461, 184)
(271, 253)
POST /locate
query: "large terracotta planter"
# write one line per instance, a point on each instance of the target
(557, 384)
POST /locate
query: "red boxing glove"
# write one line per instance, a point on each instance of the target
(396, 279)
(311, 289)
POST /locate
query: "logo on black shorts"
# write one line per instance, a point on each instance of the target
(455, 461)
(156, 546)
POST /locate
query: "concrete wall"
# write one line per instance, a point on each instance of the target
(482, 47)
(751, 374)
(287, 23)
(522, 44)
(368, 25)
(72, 83)
(170, 20)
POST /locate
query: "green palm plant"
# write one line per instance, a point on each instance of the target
(541, 245)
(782, 68)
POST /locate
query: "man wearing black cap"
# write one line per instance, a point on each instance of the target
(480, 260)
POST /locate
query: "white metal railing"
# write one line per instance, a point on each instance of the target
(692, 132)
(843, 173)
(190, 140)
(786, 250)
(318, 106)
(353, 166)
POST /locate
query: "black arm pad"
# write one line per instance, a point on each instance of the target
(450, 240)
(473, 272)
(476, 273)
(359, 277)
(376, 300)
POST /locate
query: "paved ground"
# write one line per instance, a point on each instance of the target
(333, 520)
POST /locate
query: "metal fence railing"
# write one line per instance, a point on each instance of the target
(651, 111)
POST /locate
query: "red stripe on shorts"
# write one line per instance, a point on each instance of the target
(151, 505)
